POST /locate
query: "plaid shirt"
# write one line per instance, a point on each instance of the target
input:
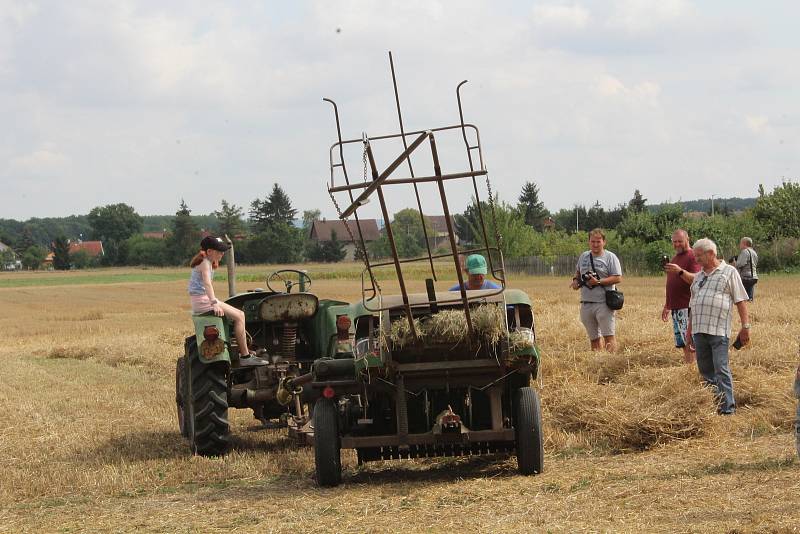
(713, 297)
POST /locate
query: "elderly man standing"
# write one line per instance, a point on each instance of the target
(680, 273)
(715, 290)
(746, 263)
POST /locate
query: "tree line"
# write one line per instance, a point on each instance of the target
(267, 233)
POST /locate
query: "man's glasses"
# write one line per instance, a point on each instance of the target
(702, 282)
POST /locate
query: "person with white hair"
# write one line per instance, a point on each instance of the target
(747, 263)
(715, 290)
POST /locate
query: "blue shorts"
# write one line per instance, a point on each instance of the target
(680, 321)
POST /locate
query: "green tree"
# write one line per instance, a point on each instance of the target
(309, 216)
(33, 257)
(779, 211)
(60, 248)
(278, 243)
(80, 259)
(147, 251)
(517, 238)
(275, 209)
(409, 235)
(333, 250)
(531, 207)
(183, 241)
(566, 218)
(115, 222)
(230, 220)
(638, 203)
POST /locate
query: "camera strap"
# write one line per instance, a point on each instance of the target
(591, 260)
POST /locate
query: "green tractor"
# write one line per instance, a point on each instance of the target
(290, 327)
(437, 372)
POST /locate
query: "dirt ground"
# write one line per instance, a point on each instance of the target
(89, 440)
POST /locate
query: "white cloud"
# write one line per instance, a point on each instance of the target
(758, 124)
(643, 15)
(560, 17)
(44, 160)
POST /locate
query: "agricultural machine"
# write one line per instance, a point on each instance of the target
(433, 372)
(290, 327)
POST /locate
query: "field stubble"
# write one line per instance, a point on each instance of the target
(89, 439)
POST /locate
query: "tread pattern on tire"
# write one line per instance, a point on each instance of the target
(327, 444)
(181, 394)
(209, 396)
(528, 429)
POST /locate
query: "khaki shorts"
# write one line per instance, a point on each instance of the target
(598, 319)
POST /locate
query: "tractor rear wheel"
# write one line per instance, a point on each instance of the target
(327, 443)
(208, 391)
(528, 430)
(181, 394)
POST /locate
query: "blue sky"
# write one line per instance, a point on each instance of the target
(135, 102)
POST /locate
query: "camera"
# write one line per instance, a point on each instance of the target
(664, 260)
(584, 279)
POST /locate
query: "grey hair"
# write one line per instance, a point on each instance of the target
(704, 245)
(748, 241)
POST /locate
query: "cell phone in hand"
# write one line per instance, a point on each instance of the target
(738, 343)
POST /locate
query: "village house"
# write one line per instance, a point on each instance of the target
(8, 258)
(322, 231)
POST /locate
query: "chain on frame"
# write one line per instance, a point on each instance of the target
(359, 248)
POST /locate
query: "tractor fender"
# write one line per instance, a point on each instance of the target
(209, 351)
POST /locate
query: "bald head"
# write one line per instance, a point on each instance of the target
(680, 240)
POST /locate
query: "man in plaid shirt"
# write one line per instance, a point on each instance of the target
(715, 290)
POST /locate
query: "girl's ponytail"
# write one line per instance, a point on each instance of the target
(198, 259)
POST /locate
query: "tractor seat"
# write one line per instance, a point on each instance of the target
(288, 307)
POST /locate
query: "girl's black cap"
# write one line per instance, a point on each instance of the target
(215, 243)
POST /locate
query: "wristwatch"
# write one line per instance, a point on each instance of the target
(746, 326)
(680, 274)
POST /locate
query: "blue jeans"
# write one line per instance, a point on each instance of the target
(712, 362)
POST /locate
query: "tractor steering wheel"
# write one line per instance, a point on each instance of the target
(303, 280)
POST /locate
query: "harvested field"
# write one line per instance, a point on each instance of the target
(89, 440)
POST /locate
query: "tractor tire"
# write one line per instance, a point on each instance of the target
(208, 391)
(181, 394)
(327, 444)
(528, 430)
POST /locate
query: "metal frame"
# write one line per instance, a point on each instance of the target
(381, 179)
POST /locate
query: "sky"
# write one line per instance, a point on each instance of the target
(148, 103)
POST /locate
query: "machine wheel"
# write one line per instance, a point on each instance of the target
(528, 429)
(181, 394)
(327, 443)
(209, 432)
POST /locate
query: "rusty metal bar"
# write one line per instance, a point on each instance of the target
(377, 180)
(347, 181)
(417, 132)
(389, 234)
(410, 167)
(420, 179)
(437, 169)
(474, 182)
(392, 440)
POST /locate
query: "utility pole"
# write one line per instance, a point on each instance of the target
(712, 205)
(576, 218)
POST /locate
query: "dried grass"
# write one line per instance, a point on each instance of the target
(93, 446)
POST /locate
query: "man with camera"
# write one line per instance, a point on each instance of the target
(680, 273)
(597, 271)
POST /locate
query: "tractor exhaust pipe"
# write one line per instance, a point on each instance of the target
(231, 263)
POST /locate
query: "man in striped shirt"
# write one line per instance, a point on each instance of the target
(715, 290)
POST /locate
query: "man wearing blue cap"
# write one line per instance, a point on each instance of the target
(476, 268)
